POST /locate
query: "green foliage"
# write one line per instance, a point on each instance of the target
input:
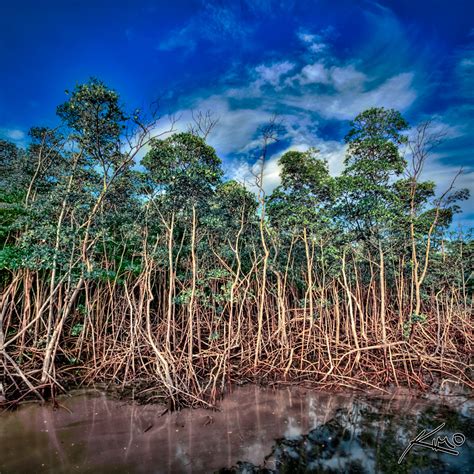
(184, 168)
(303, 171)
(10, 258)
(373, 142)
(373, 158)
(97, 120)
(305, 192)
(11, 159)
(77, 329)
(413, 319)
(11, 212)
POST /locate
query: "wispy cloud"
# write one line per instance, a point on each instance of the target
(465, 72)
(215, 23)
(314, 42)
(12, 134)
(396, 92)
(272, 74)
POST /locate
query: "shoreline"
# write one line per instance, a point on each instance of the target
(444, 391)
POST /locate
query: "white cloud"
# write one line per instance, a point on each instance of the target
(245, 173)
(317, 47)
(316, 73)
(234, 131)
(273, 73)
(306, 37)
(265, 75)
(236, 127)
(314, 43)
(12, 133)
(396, 92)
(346, 78)
(339, 77)
(331, 151)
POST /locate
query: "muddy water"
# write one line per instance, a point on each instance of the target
(255, 430)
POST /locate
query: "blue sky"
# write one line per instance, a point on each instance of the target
(315, 63)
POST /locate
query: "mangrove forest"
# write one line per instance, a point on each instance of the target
(128, 260)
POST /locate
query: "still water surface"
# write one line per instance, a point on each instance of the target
(256, 430)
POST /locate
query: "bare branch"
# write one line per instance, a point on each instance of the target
(203, 123)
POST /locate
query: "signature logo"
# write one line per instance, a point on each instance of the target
(441, 444)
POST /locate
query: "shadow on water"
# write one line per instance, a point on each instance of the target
(256, 430)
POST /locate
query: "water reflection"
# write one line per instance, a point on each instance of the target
(316, 432)
(370, 436)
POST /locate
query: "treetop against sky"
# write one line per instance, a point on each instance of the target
(317, 64)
